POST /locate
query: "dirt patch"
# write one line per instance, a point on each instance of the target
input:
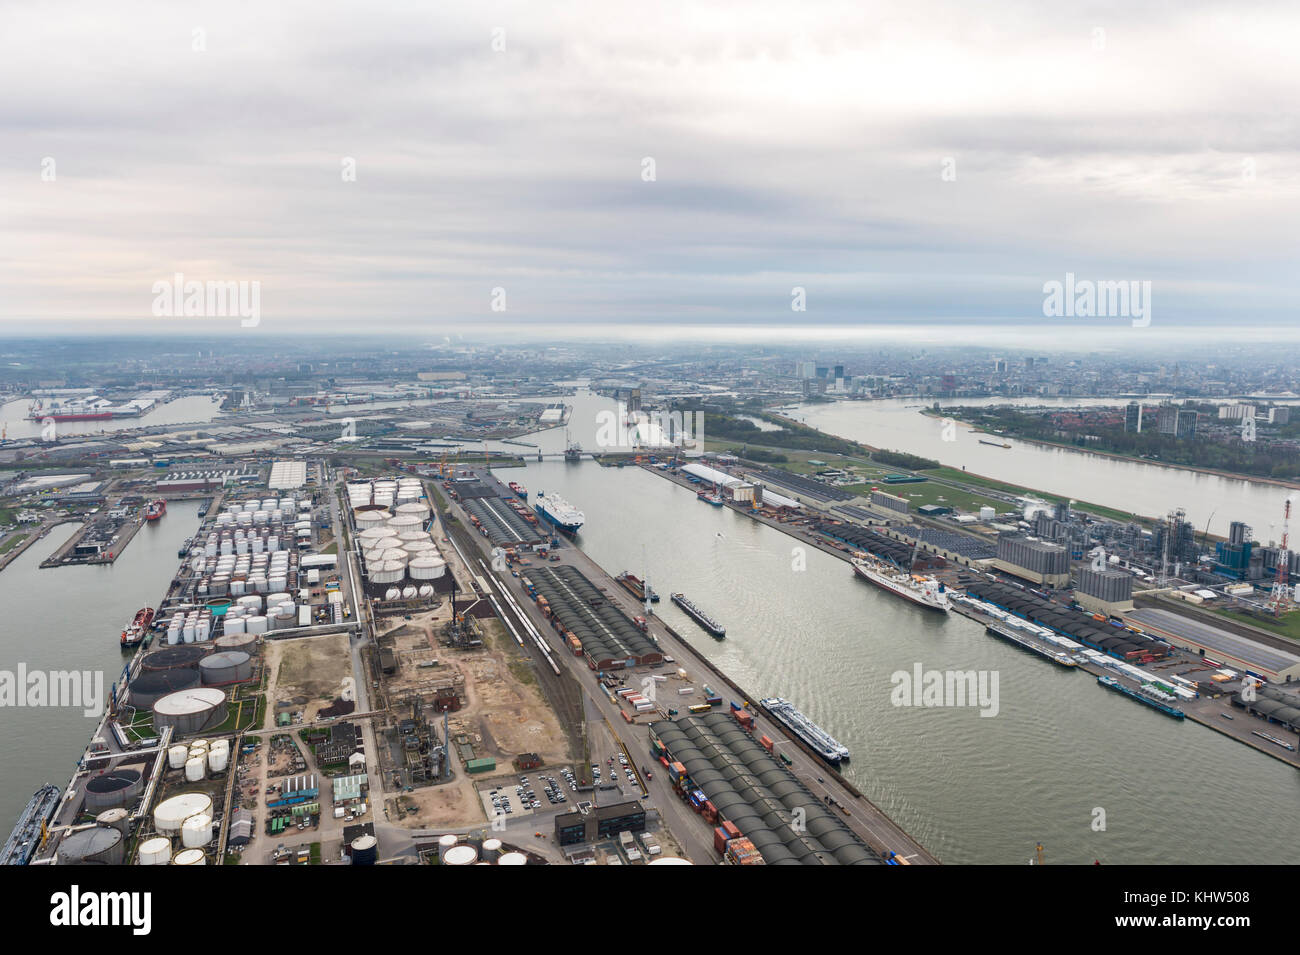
(306, 672)
(450, 805)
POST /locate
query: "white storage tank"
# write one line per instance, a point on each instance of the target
(190, 857)
(194, 769)
(176, 756)
(460, 855)
(170, 814)
(196, 831)
(156, 851)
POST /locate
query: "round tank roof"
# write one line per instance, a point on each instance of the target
(194, 700)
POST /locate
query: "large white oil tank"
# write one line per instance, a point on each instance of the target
(196, 831)
(491, 849)
(170, 814)
(445, 843)
(156, 851)
(190, 857)
(513, 858)
(460, 855)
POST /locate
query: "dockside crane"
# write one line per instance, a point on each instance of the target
(1281, 598)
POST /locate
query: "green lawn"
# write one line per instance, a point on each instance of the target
(11, 542)
(1288, 625)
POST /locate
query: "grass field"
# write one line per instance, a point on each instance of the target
(1288, 625)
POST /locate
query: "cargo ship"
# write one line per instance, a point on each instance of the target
(1059, 657)
(520, 491)
(1147, 694)
(699, 616)
(138, 627)
(924, 591)
(710, 497)
(29, 831)
(995, 444)
(637, 587)
(155, 510)
(559, 512)
(821, 741)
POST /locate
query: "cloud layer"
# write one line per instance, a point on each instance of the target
(502, 145)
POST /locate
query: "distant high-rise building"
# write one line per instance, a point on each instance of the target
(1167, 421)
(1029, 363)
(1133, 418)
(805, 369)
(1000, 366)
(822, 371)
(1279, 415)
(839, 371)
(1185, 426)
(1236, 412)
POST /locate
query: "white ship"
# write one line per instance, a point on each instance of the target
(919, 589)
(559, 512)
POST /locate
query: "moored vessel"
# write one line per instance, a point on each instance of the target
(825, 745)
(919, 589)
(134, 633)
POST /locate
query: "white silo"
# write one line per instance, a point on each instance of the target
(156, 851)
(196, 831)
(194, 769)
(176, 756)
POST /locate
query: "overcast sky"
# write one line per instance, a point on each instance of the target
(794, 144)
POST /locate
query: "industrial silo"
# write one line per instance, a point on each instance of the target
(191, 711)
(157, 851)
(98, 845)
(152, 685)
(365, 850)
(117, 818)
(170, 658)
(196, 831)
(236, 642)
(460, 855)
(170, 814)
(446, 842)
(427, 566)
(233, 666)
(119, 787)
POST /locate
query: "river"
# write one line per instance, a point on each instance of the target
(1146, 489)
(70, 618)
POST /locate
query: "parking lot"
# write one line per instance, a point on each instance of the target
(529, 793)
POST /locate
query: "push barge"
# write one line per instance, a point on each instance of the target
(1145, 694)
(1059, 657)
(825, 745)
(699, 616)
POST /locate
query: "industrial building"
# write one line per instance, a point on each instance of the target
(600, 822)
(1222, 646)
(891, 502)
(1105, 591)
(1033, 560)
(739, 781)
(593, 626)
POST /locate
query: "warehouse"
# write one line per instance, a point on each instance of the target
(1239, 653)
(578, 609)
(748, 787)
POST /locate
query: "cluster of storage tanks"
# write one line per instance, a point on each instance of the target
(251, 548)
(189, 626)
(399, 553)
(199, 758)
(183, 824)
(252, 614)
(451, 851)
(107, 796)
(173, 670)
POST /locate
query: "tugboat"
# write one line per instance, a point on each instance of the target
(155, 510)
(135, 633)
